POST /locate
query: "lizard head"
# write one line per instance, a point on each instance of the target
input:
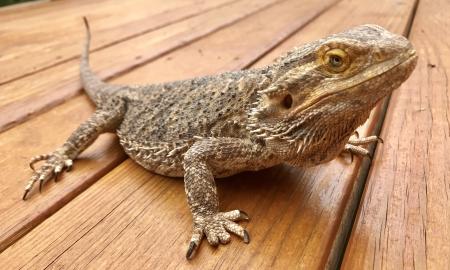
(322, 91)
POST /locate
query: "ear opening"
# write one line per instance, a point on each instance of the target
(287, 101)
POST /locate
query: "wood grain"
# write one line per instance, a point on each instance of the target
(19, 222)
(38, 39)
(21, 99)
(134, 219)
(404, 218)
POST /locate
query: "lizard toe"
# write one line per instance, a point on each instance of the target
(356, 150)
(237, 229)
(235, 215)
(36, 159)
(212, 235)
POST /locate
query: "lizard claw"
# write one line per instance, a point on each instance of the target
(246, 237)
(56, 172)
(55, 176)
(25, 194)
(41, 182)
(52, 167)
(217, 228)
(191, 250)
(243, 215)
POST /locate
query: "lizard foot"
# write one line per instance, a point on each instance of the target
(353, 146)
(53, 166)
(216, 227)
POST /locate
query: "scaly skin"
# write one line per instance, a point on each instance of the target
(302, 110)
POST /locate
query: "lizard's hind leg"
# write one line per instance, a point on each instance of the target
(105, 119)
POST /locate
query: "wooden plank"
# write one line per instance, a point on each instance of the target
(403, 221)
(21, 99)
(42, 39)
(16, 224)
(19, 7)
(294, 220)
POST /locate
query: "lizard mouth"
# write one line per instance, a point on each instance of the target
(405, 62)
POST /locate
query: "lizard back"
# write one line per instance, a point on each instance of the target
(162, 121)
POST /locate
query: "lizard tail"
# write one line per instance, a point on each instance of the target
(92, 84)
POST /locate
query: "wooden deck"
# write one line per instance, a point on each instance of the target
(392, 213)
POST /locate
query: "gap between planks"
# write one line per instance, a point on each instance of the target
(350, 211)
(403, 219)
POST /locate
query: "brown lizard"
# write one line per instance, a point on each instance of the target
(301, 110)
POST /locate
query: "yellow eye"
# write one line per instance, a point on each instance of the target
(336, 60)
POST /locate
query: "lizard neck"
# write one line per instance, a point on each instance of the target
(312, 140)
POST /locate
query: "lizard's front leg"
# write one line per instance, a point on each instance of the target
(353, 146)
(205, 157)
(103, 120)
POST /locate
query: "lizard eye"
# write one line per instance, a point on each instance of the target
(336, 60)
(287, 101)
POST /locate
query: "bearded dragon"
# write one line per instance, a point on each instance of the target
(302, 110)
